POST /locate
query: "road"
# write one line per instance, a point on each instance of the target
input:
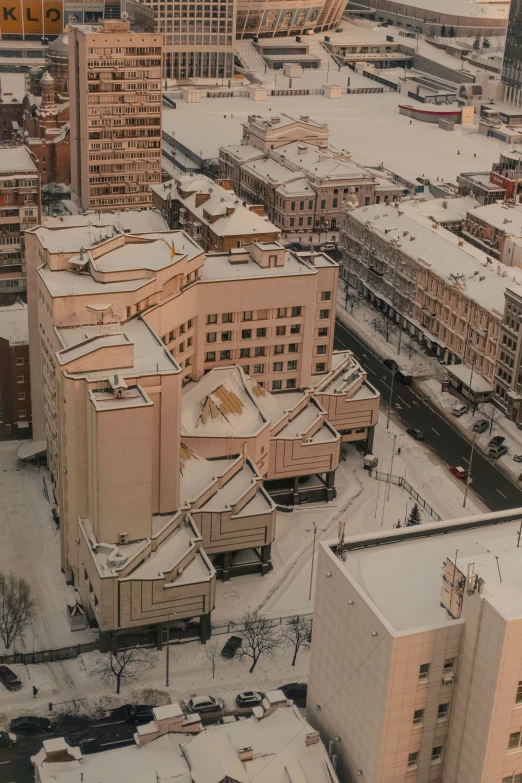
(409, 406)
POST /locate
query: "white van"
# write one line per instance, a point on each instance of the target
(460, 409)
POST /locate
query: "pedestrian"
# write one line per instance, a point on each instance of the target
(458, 152)
(35, 691)
(399, 450)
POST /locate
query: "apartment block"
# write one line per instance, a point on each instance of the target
(286, 164)
(177, 392)
(211, 213)
(442, 290)
(15, 378)
(497, 229)
(20, 209)
(416, 659)
(115, 115)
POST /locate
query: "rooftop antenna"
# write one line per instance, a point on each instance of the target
(498, 566)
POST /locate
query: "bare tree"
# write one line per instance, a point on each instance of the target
(352, 298)
(385, 325)
(122, 665)
(17, 607)
(258, 639)
(211, 654)
(297, 633)
(492, 414)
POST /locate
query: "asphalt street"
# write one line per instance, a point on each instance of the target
(412, 409)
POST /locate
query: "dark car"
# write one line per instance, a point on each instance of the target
(294, 246)
(391, 364)
(415, 433)
(9, 679)
(297, 691)
(249, 698)
(138, 713)
(7, 740)
(480, 425)
(498, 440)
(404, 377)
(231, 647)
(30, 725)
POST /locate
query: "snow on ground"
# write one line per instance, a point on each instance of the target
(30, 547)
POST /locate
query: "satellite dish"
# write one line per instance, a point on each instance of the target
(125, 16)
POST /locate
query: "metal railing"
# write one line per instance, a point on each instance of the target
(400, 481)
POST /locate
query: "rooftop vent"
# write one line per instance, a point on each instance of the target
(312, 738)
(246, 754)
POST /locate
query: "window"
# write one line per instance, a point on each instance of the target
(436, 753)
(301, 205)
(244, 353)
(310, 205)
(321, 349)
(247, 315)
(212, 319)
(320, 367)
(189, 342)
(292, 348)
(323, 203)
(448, 665)
(292, 206)
(172, 336)
(226, 336)
(278, 366)
(246, 334)
(424, 671)
(277, 385)
(412, 760)
(211, 337)
(189, 323)
(326, 296)
(259, 351)
(20, 378)
(292, 222)
(442, 712)
(280, 331)
(292, 365)
(182, 329)
(295, 329)
(513, 778)
(417, 717)
(19, 360)
(514, 740)
(21, 395)
(323, 331)
(181, 347)
(324, 314)
(296, 311)
(291, 383)
(281, 312)
(21, 414)
(279, 349)
(210, 356)
(518, 698)
(223, 355)
(259, 369)
(226, 318)
(261, 332)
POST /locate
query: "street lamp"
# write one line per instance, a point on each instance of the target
(315, 529)
(468, 477)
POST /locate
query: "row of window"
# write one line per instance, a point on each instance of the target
(436, 757)
(442, 714)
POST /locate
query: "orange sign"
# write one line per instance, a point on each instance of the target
(31, 17)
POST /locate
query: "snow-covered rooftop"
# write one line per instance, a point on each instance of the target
(16, 160)
(68, 234)
(459, 8)
(14, 323)
(503, 217)
(473, 380)
(442, 210)
(218, 267)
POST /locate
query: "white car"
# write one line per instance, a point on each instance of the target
(205, 704)
(328, 247)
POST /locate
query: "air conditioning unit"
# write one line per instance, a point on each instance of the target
(447, 679)
(124, 537)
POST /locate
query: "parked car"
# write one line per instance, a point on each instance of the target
(480, 425)
(7, 740)
(459, 472)
(231, 647)
(249, 698)
(498, 440)
(518, 457)
(9, 679)
(460, 409)
(297, 691)
(227, 719)
(205, 704)
(415, 433)
(294, 246)
(404, 377)
(138, 713)
(497, 451)
(391, 364)
(30, 724)
(327, 247)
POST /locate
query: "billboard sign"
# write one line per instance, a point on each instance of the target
(31, 17)
(503, 182)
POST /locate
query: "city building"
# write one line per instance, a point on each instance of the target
(508, 374)
(497, 229)
(285, 164)
(115, 115)
(12, 91)
(19, 210)
(512, 63)
(415, 670)
(211, 213)
(174, 388)
(502, 183)
(443, 291)
(296, 17)
(275, 744)
(15, 381)
(463, 17)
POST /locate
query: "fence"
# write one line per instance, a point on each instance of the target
(401, 482)
(360, 90)
(235, 627)
(48, 656)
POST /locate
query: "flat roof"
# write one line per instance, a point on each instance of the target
(471, 379)
(16, 160)
(14, 323)
(500, 216)
(218, 267)
(456, 8)
(69, 233)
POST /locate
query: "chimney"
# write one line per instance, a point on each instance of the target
(246, 754)
(230, 211)
(275, 120)
(312, 738)
(304, 118)
(301, 148)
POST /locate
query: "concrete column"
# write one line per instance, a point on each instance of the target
(227, 562)
(266, 564)
(368, 449)
(159, 636)
(204, 627)
(295, 490)
(330, 485)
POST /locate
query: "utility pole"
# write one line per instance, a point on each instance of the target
(468, 478)
(391, 466)
(390, 402)
(315, 529)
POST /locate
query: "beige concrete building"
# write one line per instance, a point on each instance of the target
(155, 369)
(211, 213)
(20, 209)
(416, 661)
(115, 115)
(497, 229)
